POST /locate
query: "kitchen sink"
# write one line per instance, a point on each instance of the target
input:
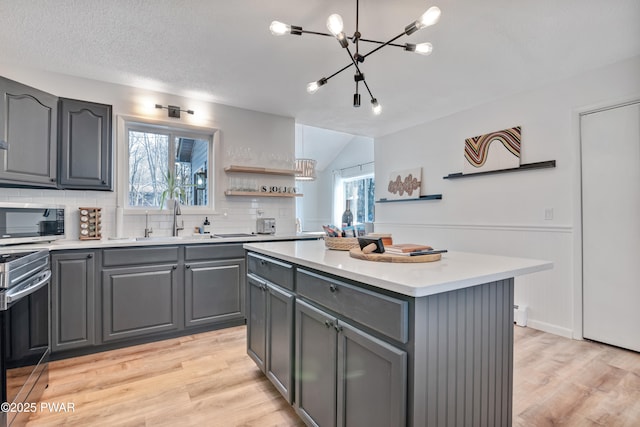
(172, 238)
(160, 238)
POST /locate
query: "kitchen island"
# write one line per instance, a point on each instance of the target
(354, 342)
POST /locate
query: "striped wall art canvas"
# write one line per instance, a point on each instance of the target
(493, 151)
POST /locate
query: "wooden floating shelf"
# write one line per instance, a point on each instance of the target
(524, 167)
(427, 197)
(265, 171)
(260, 194)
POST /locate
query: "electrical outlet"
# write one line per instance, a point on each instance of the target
(548, 214)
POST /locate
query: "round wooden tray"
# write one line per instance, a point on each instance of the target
(386, 257)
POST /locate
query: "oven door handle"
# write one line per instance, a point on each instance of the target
(31, 288)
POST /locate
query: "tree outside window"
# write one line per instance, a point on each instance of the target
(153, 152)
(361, 191)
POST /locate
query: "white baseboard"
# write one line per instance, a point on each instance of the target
(552, 329)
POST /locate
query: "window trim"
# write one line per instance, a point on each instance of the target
(339, 193)
(125, 123)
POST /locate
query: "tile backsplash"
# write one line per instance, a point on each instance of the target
(237, 215)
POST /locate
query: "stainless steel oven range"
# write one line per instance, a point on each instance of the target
(24, 332)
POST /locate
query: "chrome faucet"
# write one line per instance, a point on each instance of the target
(147, 230)
(176, 212)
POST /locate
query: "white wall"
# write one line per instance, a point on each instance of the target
(263, 133)
(505, 213)
(316, 207)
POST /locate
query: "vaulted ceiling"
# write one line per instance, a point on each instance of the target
(222, 51)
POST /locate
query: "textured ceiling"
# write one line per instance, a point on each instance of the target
(222, 51)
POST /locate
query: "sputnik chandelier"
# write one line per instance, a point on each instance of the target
(336, 26)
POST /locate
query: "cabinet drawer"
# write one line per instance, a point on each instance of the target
(274, 271)
(211, 252)
(138, 256)
(382, 313)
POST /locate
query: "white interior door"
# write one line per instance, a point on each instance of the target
(611, 225)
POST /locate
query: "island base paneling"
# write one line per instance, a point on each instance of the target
(462, 370)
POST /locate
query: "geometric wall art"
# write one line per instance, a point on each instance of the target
(404, 184)
(493, 151)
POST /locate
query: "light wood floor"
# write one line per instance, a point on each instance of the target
(208, 380)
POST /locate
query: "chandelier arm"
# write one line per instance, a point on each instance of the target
(340, 70)
(379, 42)
(317, 33)
(385, 44)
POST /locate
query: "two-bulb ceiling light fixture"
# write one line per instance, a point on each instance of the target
(336, 26)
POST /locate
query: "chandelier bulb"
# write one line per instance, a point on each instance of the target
(421, 48)
(377, 108)
(314, 86)
(335, 24)
(279, 28)
(430, 17)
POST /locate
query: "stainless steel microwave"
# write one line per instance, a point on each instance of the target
(30, 222)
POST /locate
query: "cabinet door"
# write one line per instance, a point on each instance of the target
(316, 357)
(214, 292)
(85, 145)
(72, 300)
(28, 135)
(257, 320)
(280, 312)
(139, 301)
(372, 378)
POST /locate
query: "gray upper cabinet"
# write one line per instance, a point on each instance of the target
(72, 300)
(28, 136)
(85, 156)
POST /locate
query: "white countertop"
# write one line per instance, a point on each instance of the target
(59, 245)
(456, 270)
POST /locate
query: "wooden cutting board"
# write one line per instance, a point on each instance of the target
(386, 257)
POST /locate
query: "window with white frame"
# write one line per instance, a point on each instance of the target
(359, 188)
(157, 154)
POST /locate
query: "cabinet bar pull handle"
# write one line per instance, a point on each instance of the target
(338, 328)
(175, 267)
(333, 288)
(328, 323)
(188, 266)
(89, 255)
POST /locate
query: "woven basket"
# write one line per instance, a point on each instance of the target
(340, 243)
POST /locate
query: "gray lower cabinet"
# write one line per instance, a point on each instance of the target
(72, 300)
(257, 320)
(344, 376)
(85, 157)
(28, 136)
(270, 332)
(138, 301)
(214, 291)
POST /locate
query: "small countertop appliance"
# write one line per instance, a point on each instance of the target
(266, 226)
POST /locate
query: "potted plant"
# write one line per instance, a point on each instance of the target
(173, 190)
